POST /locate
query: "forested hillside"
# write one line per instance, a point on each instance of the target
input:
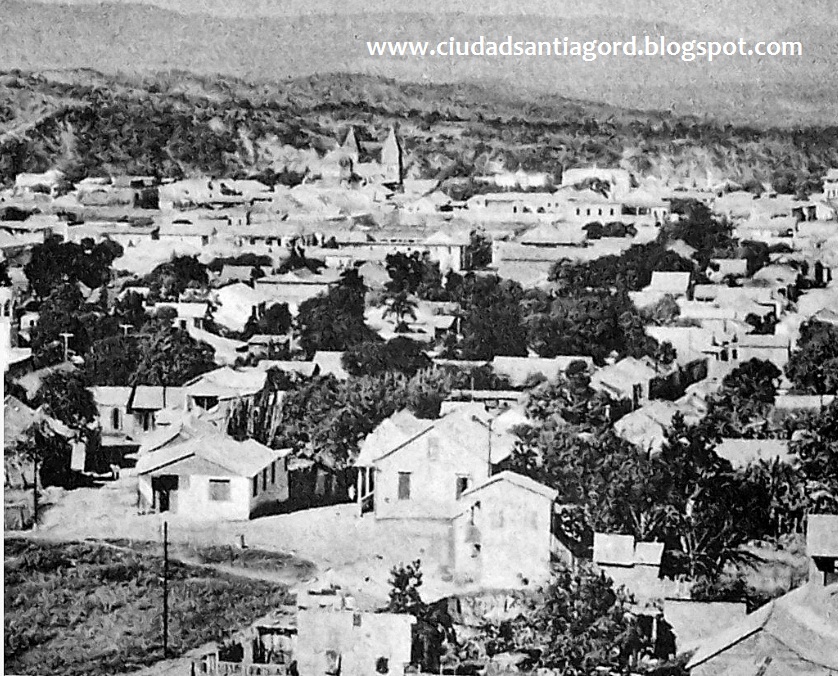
(178, 124)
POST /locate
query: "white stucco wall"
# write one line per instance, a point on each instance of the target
(515, 537)
(434, 464)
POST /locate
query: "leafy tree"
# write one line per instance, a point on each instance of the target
(276, 321)
(741, 407)
(406, 272)
(248, 259)
(66, 397)
(170, 356)
(5, 280)
(400, 306)
(816, 447)
(405, 581)
(663, 313)
(699, 227)
(401, 355)
(727, 588)
(593, 323)
(580, 624)
(492, 322)
(571, 399)
(55, 262)
(630, 271)
(335, 320)
(112, 361)
(130, 309)
(46, 450)
(478, 253)
(169, 280)
(60, 313)
(327, 418)
(813, 365)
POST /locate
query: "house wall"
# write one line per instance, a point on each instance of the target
(130, 424)
(357, 640)
(193, 496)
(643, 581)
(515, 537)
(274, 492)
(434, 467)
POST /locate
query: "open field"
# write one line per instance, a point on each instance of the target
(82, 608)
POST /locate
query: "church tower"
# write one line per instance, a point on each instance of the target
(391, 158)
(350, 147)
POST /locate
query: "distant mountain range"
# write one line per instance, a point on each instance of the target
(133, 38)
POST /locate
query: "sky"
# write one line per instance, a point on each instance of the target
(722, 15)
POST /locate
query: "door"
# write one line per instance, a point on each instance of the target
(165, 492)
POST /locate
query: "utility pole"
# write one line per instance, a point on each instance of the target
(35, 494)
(165, 589)
(125, 328)
(66, 337)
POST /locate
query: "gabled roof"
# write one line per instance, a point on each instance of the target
(467, 426)
(227, 383)
(188, 427)
(801, 623)
(115, 396)
(393, 432)
(238, 458)
(516, 480)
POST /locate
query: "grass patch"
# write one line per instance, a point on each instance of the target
(82, 608)
(260, 560)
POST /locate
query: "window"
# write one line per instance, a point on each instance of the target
(255, 485)
(219, 490)
(265, 479)
(273, 472)
(404, 485)
(115, 419)
(356, 619)
(462, 485)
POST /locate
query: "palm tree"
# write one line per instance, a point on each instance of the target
(401, 305)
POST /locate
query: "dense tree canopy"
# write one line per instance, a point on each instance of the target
(65, 396)
(169, 280)
(170, 356)
(741, 407)
(492, 321)
(335, 320)
(813, 366)
(400, 355)
(113, 360)
(275, 321)
(54, 262)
